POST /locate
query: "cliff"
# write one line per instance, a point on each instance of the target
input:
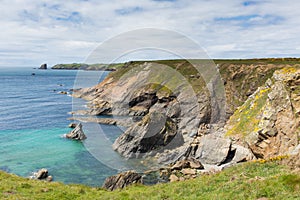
(268, 122)
(172, 110)
(83, 66)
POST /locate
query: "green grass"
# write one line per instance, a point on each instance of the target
(246, 181)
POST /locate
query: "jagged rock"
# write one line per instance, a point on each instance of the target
(72, 125)
(241, 154)
(195, 164)
(273, 120)
(43, 66)
(77, 133)
(126, 122)
(42, 174)
(187, 163)
(188, 171)
(213, 150)
(173, 178)
(154, 132)
(122, 180)
(180, 165)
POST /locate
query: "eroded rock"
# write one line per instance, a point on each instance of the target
(122, 180)
(77, 133)
(154, 132)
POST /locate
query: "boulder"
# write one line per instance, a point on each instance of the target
(62, 92)
(213, 150)
(122, 180)
(77, 133)
(43, 66)
(173, 178)
(188, 171)
(241, 154)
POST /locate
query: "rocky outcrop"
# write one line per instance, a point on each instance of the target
(122, 180)
(41, 174)
(43, 66)
(268, 122)
(154, 133)
(142, 91)
(77, 133)
(72, 125)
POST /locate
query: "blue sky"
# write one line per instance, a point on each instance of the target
(34, 32)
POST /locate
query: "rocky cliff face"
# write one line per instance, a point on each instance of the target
(268, 122)
(170, 114)
(162, 106)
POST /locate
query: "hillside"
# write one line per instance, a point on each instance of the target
(247, 181)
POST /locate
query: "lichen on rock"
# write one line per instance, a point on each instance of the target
(273, 128)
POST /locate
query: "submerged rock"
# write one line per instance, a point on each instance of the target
(122, 180)
(62, 92)
(77, 133)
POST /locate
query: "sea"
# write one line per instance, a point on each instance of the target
(34, 118)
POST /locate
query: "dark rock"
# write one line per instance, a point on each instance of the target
(63, 92)
(77, 133)
(32, 74)
(43, 66)
(72, 125)
(122, 180)
(155, 132)
(40, 174)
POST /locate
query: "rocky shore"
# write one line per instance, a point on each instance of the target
(173, 122)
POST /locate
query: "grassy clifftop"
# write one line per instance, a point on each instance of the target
(83, 66)
(246, 181)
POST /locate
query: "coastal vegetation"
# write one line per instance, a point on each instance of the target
(253, 180)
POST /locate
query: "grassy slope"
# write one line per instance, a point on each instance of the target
(246, 181)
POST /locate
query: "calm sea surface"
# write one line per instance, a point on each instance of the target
(33, 118)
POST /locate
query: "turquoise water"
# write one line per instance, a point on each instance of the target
(33, 119)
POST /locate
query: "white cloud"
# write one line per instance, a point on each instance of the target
(33, 32)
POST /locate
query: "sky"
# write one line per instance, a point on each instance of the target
(51, 31)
